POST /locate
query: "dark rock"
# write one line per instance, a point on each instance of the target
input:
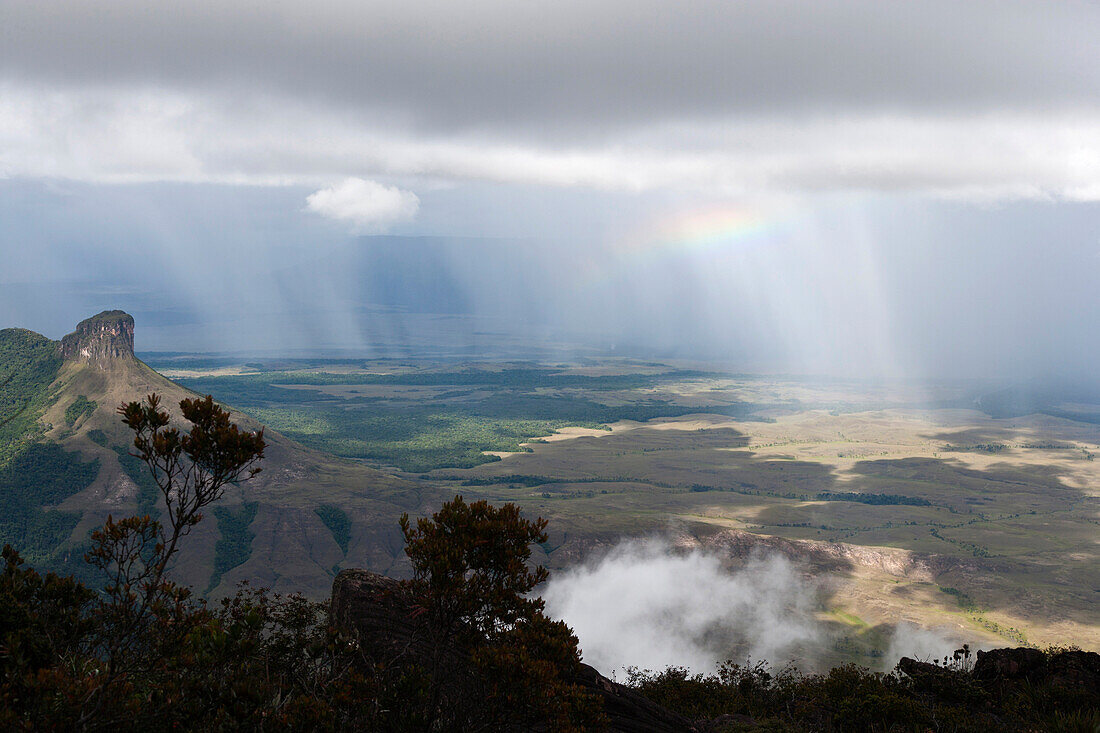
(917, 668)
(1076, 669)
(1073, 669)
(628, 711)
(377, 608)
(1010, 664)
(101, 339)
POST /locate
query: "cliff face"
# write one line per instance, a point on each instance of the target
(101, 339)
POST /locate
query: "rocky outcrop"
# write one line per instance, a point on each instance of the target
(1072, 669)
(101, 339)
(1021, 662)
(380, 612)
(917, 668)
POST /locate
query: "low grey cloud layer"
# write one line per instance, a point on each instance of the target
(978, 99)
(441, 65)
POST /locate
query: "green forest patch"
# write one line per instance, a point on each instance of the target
(29, 363)
(234, 546)
(338, 523)
(421, 435)
(80, 407)
(31, 484)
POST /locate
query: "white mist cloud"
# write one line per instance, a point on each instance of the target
(647, 605)
(642, 605)
(368, 206)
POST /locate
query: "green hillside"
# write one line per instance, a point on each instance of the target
(29, 363)
(35, 476)
(65, 465)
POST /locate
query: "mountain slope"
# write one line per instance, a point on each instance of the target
(29, 363)
(306, 515)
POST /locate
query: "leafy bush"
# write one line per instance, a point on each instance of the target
(944, 696)
(32, 484)
(497, 661)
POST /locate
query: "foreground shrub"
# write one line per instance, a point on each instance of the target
(1061, 693)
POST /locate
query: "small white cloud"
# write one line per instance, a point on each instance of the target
(368, 206)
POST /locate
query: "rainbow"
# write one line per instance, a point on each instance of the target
(718, 233)
(716, 229)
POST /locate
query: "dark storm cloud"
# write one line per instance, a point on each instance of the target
(547, 70)
(981, 100)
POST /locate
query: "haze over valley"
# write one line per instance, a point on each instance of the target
(963, 508)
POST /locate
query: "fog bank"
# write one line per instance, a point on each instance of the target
(643, 606)
(648, 605)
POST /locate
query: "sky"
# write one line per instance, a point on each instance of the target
(853, 188)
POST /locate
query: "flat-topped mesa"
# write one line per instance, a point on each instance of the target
(101, 339)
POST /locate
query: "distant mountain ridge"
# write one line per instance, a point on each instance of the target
(65, 465)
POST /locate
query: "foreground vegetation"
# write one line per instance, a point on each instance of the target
(945, 696)
(145, 654)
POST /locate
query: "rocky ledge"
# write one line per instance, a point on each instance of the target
(1070, 668)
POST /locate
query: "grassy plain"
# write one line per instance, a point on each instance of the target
(1016, 533)
(416, 418)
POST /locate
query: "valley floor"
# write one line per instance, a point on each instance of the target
(903, 504)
